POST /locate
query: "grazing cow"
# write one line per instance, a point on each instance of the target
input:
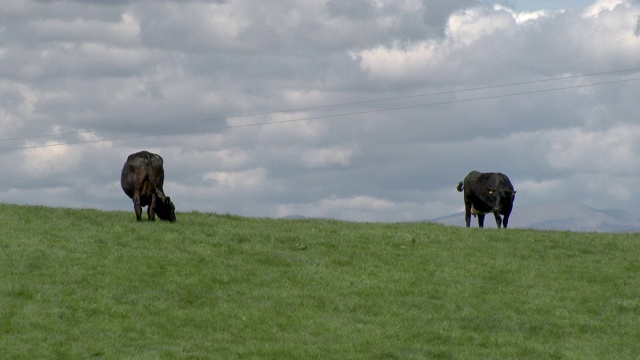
(485, 193)
(141, 179)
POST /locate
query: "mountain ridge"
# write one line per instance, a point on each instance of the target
(561, 215)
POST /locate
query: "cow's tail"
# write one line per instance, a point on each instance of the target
(460, 186)
(152, 178)
(159, 192)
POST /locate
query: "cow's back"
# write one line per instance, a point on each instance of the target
(143, 171)
(472, 181)
(141, 179)
(157, 170)
(504, 181)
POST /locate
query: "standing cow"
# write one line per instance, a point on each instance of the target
(141, 179)
(485, 193)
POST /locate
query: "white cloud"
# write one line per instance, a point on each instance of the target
(612, 151)
(126, 31)
(369, 208)
(47, 161)
(324, 157)
(245, 181)
(609, 32)
(296, 131)
(523, 17)
(358, 208)
(472, 24)
(405, 60)
(400, 61)
(599, 6)
(539, 188)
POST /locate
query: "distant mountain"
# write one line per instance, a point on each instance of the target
(563, 215)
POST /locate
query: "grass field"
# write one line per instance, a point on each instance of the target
(86, 284)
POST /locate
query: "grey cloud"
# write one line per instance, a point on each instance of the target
(436, 13)
(352, 10)
(172, 74)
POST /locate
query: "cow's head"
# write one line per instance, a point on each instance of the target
(501, 198)
(165, 209)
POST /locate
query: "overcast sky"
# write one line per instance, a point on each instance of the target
(365, 110)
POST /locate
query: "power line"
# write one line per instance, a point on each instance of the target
(363, 112)
(488, 87)
(339, 104)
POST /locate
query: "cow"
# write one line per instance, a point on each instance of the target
(141, 179)
(485, 193)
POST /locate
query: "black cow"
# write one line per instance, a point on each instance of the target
(141, 179)
(485, 193)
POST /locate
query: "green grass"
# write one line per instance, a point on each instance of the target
(82, 284)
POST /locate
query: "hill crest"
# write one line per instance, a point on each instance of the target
(561, 215)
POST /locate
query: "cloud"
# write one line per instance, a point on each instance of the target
(277, 108)
(45, 162)
(239, 181)
(601, 6)
(612, 151)
(126, 31)
(361, 208)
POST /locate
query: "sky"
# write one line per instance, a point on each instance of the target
(362, 110)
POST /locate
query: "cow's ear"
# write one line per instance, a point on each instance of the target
(167, 200)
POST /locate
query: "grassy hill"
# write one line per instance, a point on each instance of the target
(80, 284)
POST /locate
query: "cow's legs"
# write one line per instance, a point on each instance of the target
(481, 220)
(151, 210)
(498, 220)
(467, 214)
(136, 206)
(505, 221)
(467, 218)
